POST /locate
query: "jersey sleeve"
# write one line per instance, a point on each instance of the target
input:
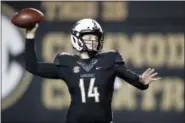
(129, 76)
(46, 70)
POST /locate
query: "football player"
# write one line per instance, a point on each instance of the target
(89, 73)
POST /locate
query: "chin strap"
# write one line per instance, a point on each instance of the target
(92, 53)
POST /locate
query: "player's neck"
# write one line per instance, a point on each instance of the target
(84, 55)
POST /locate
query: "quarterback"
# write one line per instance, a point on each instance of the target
(89, 73)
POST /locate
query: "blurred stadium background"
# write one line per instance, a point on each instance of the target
(148, 34)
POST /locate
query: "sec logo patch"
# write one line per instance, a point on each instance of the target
(76, 69)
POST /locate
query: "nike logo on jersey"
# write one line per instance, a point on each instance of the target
(97, 68)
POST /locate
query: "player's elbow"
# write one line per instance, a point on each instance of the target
(28, 69)
(31, 67)
(31, 70)
(143, 87)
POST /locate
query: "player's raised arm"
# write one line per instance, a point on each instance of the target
(47, 70)
(140, 81)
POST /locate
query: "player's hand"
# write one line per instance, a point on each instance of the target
(149, 76)
(30, 33)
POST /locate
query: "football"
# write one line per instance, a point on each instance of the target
(27, 18)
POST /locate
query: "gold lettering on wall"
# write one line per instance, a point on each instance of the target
(125, 98)
(173, 95)
(136, 47)
(69, 10)
(166, 94)
(114, 11)
(55, 94)
(49, 10)
(55, 43)
(149, 102)
(154, 50)
(155, 57)
(175, 43)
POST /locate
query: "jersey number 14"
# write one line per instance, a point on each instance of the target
(92, 91)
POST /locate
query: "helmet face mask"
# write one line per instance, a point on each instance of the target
(87, 36)
(91, 42)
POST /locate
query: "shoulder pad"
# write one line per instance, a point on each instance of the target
(119, 58)
(63, 58)
(114, 55)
